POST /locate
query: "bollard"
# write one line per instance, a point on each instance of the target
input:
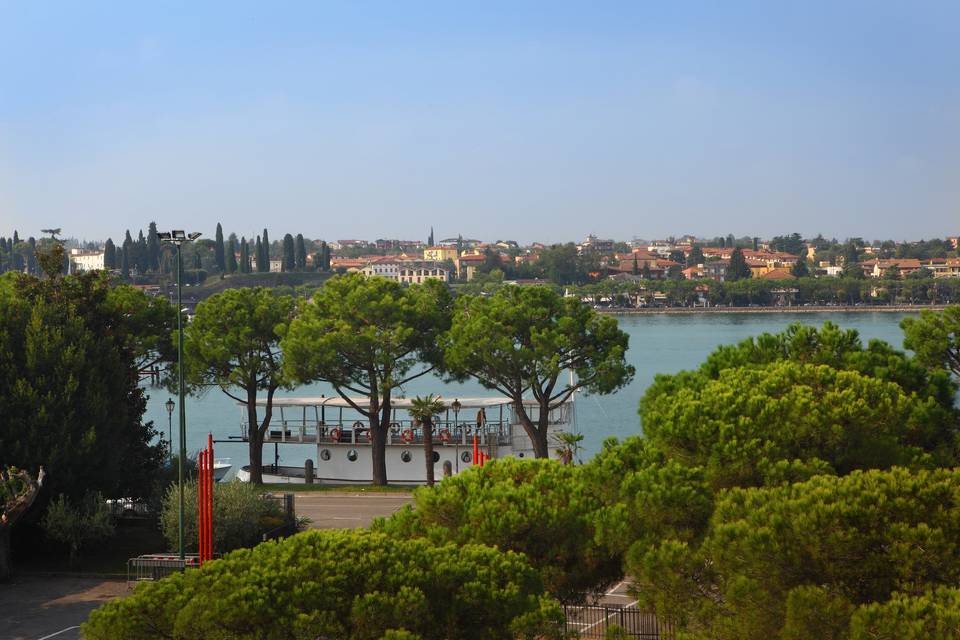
(447, 469)
(308, 471)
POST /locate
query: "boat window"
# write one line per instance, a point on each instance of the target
(405, 456)
(465, 456)
(436, 457)
(352, 455)
(325, 454)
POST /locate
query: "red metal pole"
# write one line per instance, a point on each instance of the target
(476, 450)
(200, 503)
(210, 500)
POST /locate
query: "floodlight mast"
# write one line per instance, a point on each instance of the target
(178, 237)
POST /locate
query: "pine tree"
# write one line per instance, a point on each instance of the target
(696, 256)
(153, 248)
(109, 254)
(218, 251)
(231, 256)
(301, 253)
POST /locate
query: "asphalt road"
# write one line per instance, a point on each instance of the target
(347, 510)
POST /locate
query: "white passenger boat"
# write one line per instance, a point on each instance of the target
(221, 467)
(338, 437)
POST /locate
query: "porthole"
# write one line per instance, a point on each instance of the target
(465, 456)
(325, 455)
(520, 454)
(352, 455)
(436, 457)
(405, 456)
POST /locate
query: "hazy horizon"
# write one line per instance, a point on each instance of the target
(534, 122)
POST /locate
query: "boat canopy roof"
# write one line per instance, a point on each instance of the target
(396, 403)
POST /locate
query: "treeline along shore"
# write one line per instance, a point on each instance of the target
(685, 311)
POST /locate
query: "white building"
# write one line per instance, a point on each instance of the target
(407, 271)
(81, 260)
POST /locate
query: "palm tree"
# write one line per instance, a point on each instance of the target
(423, 409)
(569, 446)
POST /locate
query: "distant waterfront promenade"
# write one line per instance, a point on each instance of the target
(899, 308)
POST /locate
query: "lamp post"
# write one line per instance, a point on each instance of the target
(169, 404)
(177, 238)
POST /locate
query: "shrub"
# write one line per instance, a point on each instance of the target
(343, 584)
(934, 615)
(241, 515)
(78, 525)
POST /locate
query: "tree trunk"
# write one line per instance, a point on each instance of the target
(379, 424)
(255, 440)
(428, 449)
(5, 566)
(536, 433)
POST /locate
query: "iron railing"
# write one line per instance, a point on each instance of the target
(593, 621)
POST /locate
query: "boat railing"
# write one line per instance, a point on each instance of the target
(445, 432)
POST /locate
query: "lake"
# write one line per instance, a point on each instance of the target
(658, 344)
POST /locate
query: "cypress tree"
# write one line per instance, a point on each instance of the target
(125, 261)
(799, 269)
(244, 256)
(301, 253)
(231, 256)
(258, 253)
(289, 261)
(738, 269)
(324, 256)
(636, 269)
(318, 261)
(109, 254)
(153, 248)
(142, 253)
(218, 251)
(646, 271)
(265, 248)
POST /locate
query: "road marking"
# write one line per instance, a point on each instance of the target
(344, 518)
(587, 628)
(59, 632)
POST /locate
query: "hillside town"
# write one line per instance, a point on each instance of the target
(463, 260)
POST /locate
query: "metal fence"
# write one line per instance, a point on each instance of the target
(593, 622)
(155, 566)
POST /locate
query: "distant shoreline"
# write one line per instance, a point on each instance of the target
(683, 311)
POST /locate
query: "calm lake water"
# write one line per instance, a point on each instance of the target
(658, 344)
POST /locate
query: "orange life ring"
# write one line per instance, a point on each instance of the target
(335, 434)
(407, 435)
(444, 436)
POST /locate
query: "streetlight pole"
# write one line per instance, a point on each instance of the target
(169, 405)
(178, 238)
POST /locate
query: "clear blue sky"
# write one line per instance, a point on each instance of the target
(523, 120)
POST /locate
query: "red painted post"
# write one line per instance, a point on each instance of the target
(210, 499)
(201, 501)
(476, 450)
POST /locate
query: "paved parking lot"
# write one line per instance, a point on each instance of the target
(52, 608)
(34, 607)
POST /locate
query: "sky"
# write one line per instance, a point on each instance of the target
(517, 120)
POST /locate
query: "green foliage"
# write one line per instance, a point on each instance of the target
(738, 268)
(793, 561)
(241, 515)
(524, 339)
(935, 338)
(368, 337)
(933, 615)
(536, 507)
(69, 393)
(233, 343)
(345, 585)
(786, 421)
(77, 525)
